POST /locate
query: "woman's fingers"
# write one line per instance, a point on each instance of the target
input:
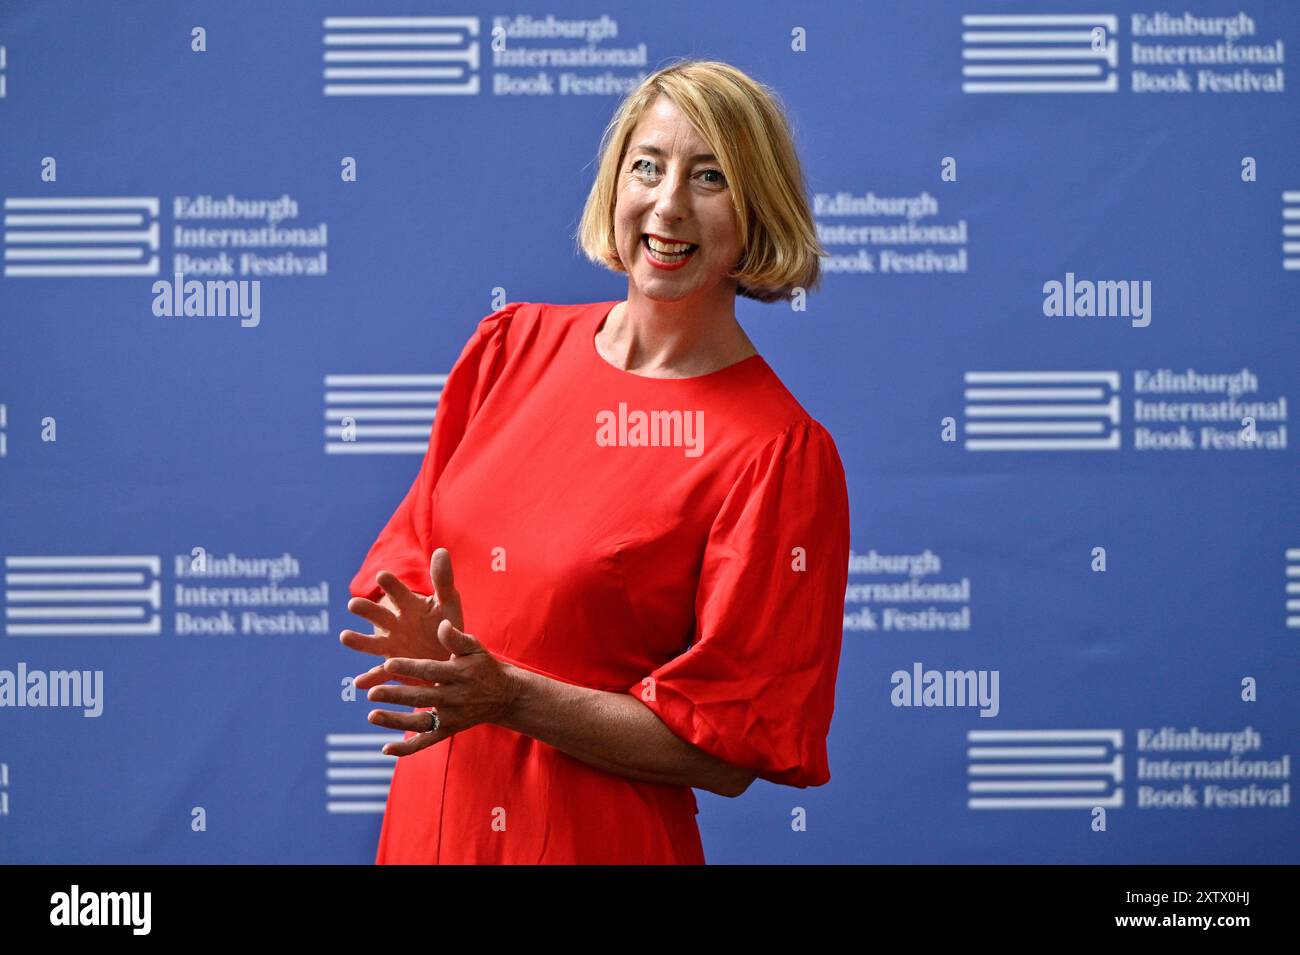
(415, 743)
(379, 615)
(365, 643)
(444, 587)
(431, 671)
(413, 696)
(402, 680)
(411, 722)
(398, 591)
(378, 676)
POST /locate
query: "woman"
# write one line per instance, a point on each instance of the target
(650, 534)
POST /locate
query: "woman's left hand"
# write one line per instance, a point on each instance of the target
(472, 687)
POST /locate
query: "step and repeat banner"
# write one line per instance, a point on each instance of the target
(1056, 344)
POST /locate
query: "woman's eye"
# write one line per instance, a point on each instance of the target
(648, 167)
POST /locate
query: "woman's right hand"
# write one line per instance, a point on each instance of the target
(406, 623)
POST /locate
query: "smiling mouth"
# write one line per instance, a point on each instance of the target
(666, 258)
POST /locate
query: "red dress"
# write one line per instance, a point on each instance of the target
(707, 552)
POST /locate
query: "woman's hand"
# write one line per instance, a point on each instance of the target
(406, 623)
(471, 687)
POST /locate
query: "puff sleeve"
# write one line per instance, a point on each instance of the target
(757, 687)
(404, 546)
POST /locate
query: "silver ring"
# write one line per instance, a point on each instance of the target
(434, 721)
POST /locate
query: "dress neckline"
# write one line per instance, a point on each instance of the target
(605, 309)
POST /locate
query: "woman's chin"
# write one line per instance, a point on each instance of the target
(658, 290)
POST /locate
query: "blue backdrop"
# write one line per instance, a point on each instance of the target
(1078, 501)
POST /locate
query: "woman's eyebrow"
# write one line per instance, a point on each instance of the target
(655, 150)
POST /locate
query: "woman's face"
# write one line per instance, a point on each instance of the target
(669, 186)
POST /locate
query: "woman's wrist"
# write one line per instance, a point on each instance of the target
(613, 732)
(520, 688)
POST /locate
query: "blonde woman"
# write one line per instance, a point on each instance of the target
(650, 534)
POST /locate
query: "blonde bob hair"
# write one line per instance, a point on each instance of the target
(743, 123)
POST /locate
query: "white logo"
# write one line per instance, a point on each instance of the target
(1045, 769)
(398, 412)
(1039, 53)
(82, 596)
(401, 56)
(1293, 587)
(1043, 410)
(90, 236)
(102, 908)
(359, 759)
(1291, 230)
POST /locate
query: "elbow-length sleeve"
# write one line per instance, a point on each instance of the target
(404, 546)
(757, 687)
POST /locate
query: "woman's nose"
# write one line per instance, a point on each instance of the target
(673, 197)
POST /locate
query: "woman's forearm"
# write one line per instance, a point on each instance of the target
(614, 732)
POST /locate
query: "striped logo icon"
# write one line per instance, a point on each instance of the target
(401, 56)
(1042, 411)
(1293, 588)
(102, 596)
(1045, 769)
(1291, 230)
(86, 237)
(358, 772)
(380, 414)
(1039, 53)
